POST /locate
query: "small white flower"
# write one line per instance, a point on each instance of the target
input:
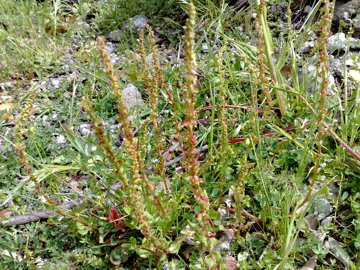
(323, 165)
(322, 177)
(357, 100)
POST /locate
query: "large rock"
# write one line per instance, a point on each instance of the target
(131, 96)
(357, 22)
(345, 9)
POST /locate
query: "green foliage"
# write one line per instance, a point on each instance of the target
(250, 199)
(112, 14)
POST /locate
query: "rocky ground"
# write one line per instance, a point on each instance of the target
(61, 90)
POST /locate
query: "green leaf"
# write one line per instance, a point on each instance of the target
(82, 229)
(175, 246)
(242, 256)
(60, 160)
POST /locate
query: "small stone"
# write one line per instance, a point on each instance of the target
(55, 117)
(60, 139)
(74, 184)
(150, 59)
(239, 29)
(204, 48)
(109, 47)
(308, 45)
(309, 223)
(307, 9)
(45, 122)
(214, 48)
(55, 82)
(322, 208)
(66, 68)
(314, 80)
(157, 39)
(338, 251)
(85, 130)
(116, 35)
(114, 129)
(116, 186)
(336, 42)
(6, 85)
(357, 23)
(113, 59)
(137, 22)
(6, 98)
(326, 221)
(354, 43)
(172, 57)
(354, 75)
(310, 264)
(11, 255)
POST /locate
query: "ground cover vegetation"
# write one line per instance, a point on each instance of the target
(239, 157)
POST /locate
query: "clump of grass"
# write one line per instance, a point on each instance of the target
(183, 215)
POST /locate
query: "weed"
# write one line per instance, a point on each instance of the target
(228, 165)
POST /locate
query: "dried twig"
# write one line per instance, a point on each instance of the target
(32, 217)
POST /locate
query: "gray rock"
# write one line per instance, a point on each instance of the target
(55, 82)
(136, 23)
(308, 45)
(312, 80)
(337, 68)
(322, 208)
(214, 48)
(204, 48)
(111, 50)
(354, 43)
(357, 23)
(338, 251)
(149, 59)
(310, 264)
(336, 42)
(54, 117)
(133, 25)
(345, 9)
(60, 139)
(171, 57)
(131, 96)
(326, 221)
(6, 98)
(45, 121)
(157, 39)
(116, 35)
(114, 129)
(85, 130)
(6, 85)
